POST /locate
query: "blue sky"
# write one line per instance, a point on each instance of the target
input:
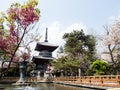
(62, 16)
(67, 15)
(93, 13)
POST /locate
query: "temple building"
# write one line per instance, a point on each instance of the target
(42, 61)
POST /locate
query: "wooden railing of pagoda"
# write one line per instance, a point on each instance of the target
(109, 80)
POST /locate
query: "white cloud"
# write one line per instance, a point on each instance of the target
(56, 30)
(54, 33)
(75, 26)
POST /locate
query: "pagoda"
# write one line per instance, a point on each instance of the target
(42, 61)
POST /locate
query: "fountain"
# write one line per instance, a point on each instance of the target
(22, 71)
(22, 81)
(22, 58)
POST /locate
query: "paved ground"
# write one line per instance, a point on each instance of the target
(114, 89)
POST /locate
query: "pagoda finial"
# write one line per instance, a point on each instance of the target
(46, 35)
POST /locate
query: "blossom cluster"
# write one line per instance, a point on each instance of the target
(23, 14)
(17, 19)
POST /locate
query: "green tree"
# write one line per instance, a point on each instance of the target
(100, 67)
(66, 65)
(80, 47)
(79, 52)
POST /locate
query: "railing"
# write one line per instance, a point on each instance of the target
(15, 79)
(9, 79)
(27, 79)
(111, 80)
(107, 80)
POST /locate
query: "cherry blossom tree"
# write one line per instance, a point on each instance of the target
(111, 42)
(15, 25)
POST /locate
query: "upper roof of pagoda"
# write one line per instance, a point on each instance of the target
(45, 45)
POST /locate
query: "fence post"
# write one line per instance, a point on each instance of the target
(117, 79)
(101, 80)
(89, 80)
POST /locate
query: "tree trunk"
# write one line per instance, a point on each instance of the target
(14, 52)
(113, 61)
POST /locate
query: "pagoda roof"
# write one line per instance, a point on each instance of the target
(43, 58)
(40, 59)
(45, 46)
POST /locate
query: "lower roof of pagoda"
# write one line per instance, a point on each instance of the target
(42, 58)
(45, 46)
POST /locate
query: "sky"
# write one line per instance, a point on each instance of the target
(64, 16)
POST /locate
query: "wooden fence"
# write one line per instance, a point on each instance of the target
(15, 79)
(105, 80)
(109, 80)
